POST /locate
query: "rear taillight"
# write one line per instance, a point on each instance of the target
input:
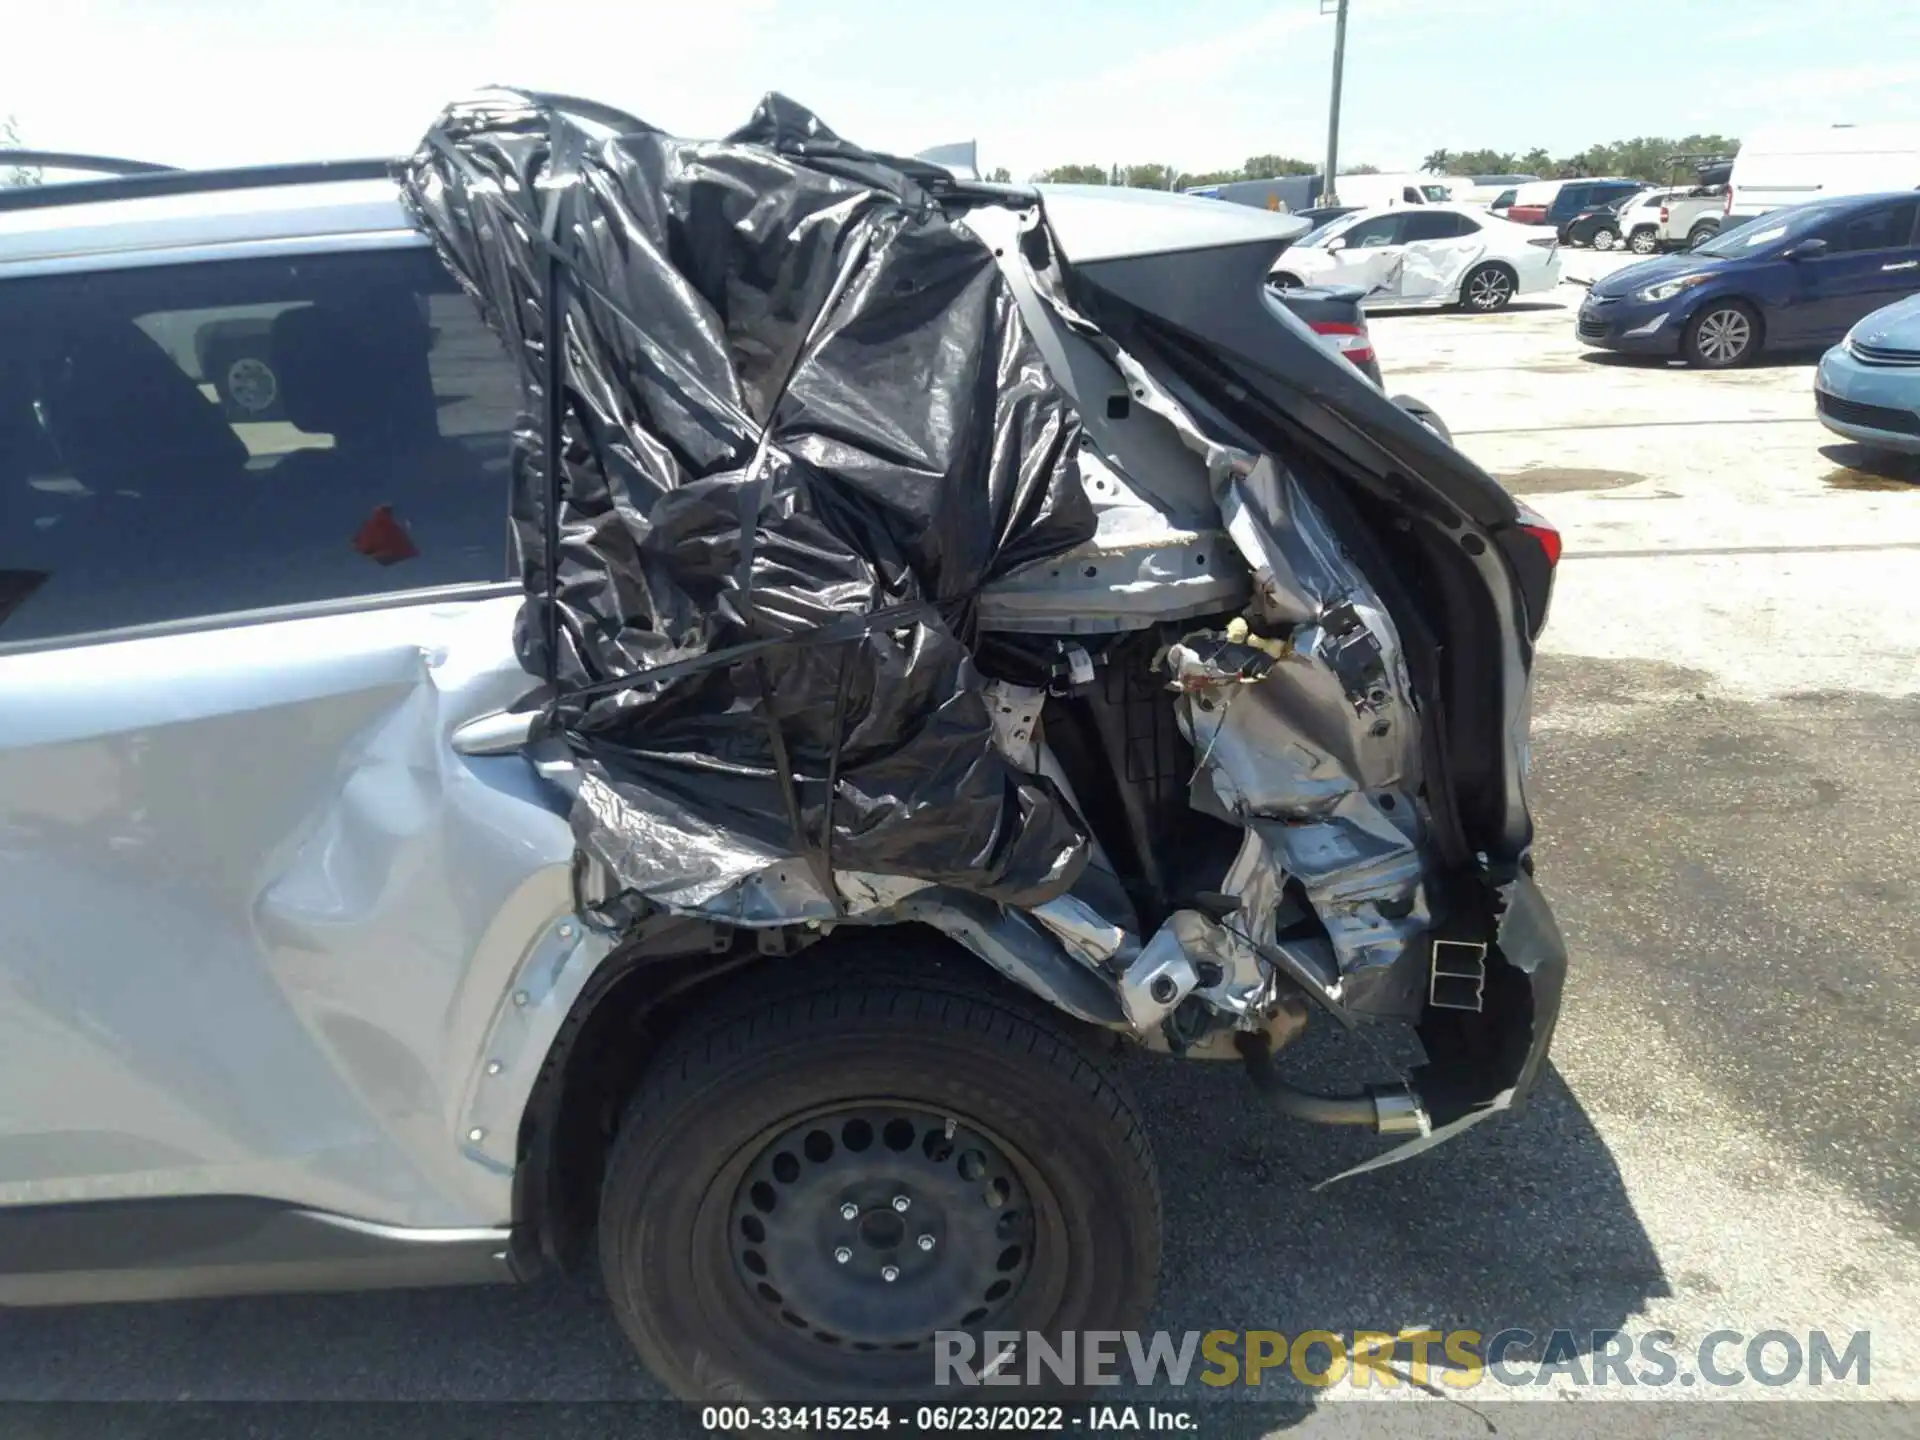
(1542, 531)
(1351, 341)
(1532, 548)
(1727, 209)
(1663, 214)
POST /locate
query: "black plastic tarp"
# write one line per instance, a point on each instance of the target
(799, 426)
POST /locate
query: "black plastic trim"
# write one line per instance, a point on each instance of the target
(185, 1247)
(158, 182)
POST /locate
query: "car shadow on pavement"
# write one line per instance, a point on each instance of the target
(1521, 1223)
(1512, 307)
(1859, 466)
(1784, 360)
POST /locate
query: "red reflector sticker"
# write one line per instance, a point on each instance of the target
(384, 538)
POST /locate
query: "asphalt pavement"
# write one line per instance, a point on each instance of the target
(1726, 721)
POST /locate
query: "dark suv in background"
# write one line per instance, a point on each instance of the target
(1574, 196)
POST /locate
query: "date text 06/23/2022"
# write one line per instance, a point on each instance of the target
(959, 1419)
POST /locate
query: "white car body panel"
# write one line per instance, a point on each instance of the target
(1426, 272)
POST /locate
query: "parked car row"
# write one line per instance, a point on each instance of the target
(1839, 274)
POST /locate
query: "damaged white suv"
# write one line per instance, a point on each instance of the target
(716, 781)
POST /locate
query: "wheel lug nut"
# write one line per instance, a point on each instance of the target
(849, 1211)
(926, 1242)
(843, 1255)
(900, 1203)
(890, 1273)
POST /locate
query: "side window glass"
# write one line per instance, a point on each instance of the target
(1433, 225)
(196, 440)
(1885, 227)
(1370, 234)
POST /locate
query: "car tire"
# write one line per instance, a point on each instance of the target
(734, 1269)
(1488, 288)
(1703, 231)
(1721, 335)
(1605, 238)
(1644, 241)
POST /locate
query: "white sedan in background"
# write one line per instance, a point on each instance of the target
(1426, 255)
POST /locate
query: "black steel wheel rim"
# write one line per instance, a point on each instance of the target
(874, 1225)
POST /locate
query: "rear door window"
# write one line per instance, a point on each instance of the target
(1435, 225)
(191, 441)
(1884, 227)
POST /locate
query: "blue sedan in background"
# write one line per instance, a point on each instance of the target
(1791, 279)
(1868, 386)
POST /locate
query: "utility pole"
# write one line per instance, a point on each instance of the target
(1338, 9)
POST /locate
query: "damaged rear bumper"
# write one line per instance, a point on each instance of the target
(1491, 1066)
(1030, 624)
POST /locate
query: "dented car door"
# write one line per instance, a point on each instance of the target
(255, 912)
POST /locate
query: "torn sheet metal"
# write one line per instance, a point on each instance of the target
(1322, 756)
(1433, 270)
(800, 425)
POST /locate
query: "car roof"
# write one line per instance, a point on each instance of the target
(184, 215)
(1839, 204)
(1451, 207)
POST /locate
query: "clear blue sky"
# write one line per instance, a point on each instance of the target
(1196, 83)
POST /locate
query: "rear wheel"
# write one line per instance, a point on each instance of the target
(1488, 288)
(1605, 238)
(807, 1189)
(1702, 232)
(1723, 334)
(1644, 241)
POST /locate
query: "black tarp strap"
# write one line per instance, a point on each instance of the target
(553, 428)
(842, 688)
(819, 858)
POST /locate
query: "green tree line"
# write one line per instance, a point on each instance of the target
(1166, 177)
(1642, 158)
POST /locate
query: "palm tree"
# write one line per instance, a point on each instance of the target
(1438, 163)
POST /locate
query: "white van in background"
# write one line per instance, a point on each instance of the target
(1374, 192)
(1786, 166)
(1482, 190)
